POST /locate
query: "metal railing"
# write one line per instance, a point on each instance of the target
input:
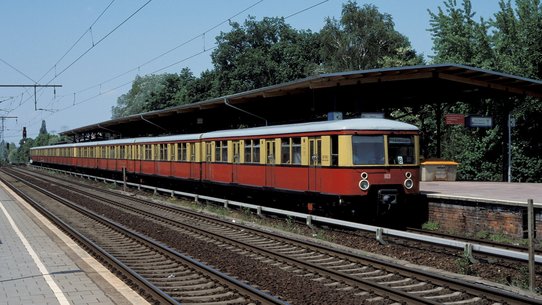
(380, 232)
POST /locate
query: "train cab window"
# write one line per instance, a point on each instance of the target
(401, 150)
(368, 150)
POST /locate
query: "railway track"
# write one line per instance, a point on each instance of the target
(367, 279)
(160, 273)
(513, 247)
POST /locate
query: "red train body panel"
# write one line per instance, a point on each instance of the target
(340, 159)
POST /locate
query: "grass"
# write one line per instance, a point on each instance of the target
(431, 226)
(464, 266)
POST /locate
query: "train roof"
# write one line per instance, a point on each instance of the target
(338, 125)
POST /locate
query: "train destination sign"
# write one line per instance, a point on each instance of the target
(474, 121)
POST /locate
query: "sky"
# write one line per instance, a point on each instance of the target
(95, 48)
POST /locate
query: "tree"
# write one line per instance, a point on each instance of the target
(458, 38)
(363, 39)
(509, 42)
(262, 53)
(43, 129)
(149, 92)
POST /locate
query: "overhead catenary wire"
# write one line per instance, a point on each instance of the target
(206, 49)
(173, 49)
(101, 39)
(95, 44)
(19, 71)
(183, 44)
(77, 41)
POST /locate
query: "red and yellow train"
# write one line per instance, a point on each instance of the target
(354, 163)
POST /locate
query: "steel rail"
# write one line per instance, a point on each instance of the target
(253, 293)
(108, 260)
(484, 249)
(436, 279)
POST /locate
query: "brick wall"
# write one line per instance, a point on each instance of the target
(472, 217)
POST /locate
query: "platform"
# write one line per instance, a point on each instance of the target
(488, 192)
(39, 264)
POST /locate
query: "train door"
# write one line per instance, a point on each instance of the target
(270, 163)
(209, 152)
(236, 160)
(191, 153)
(315, 163)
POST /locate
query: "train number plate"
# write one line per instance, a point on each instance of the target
(387, 176)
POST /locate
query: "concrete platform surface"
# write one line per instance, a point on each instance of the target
(41, 265)
(501, 192)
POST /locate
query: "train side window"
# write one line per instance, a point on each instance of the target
(191, 152)
(248, 151)
(148, 152)
(224, 150)
(181, 151)
(285, 151)
(315, 149)
(296, 151)
(122, 150)
(236, 151)
(252, 151)
(256, 151)
(104, 152)
(221, 151)
(140, 152)
(270, 152)
(209, 151)
(162, 152)
(334, 150)
(368, 150)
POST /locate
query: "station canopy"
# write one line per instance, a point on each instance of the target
(313, 98)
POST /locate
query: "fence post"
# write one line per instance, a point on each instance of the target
(531, 227)
(309, 221)
(380, 237)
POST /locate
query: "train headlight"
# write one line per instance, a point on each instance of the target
(364, 185)
(364, 176)
(408, 175)
(408, 184)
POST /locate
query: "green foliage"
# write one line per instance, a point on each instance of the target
(259, 53)
(509, 42)
(21, 154)
(262, 53)
(363, 39)
(431, 226)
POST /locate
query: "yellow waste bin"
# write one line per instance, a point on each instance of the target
(439, 170)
